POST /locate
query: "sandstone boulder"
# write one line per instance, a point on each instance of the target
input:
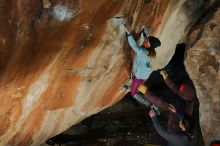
(63, 60)
(202, 64)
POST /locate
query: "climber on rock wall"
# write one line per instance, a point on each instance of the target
(144, 55)
(182, 138)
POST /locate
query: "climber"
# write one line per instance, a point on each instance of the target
(144, 55)
(183, 138)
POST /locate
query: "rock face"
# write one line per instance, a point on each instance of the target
(63, 60)
(202, 64)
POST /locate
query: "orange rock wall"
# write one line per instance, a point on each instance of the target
(63, 60)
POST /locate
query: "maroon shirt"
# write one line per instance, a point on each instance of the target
(188, 95)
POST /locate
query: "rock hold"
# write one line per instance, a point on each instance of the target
(46, 4)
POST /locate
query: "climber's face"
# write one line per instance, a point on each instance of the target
(146, 43)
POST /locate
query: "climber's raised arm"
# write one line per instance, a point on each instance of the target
(131, 40)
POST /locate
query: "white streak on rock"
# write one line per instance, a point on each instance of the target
(36, 90)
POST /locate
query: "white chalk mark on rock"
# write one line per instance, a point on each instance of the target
(62, 13)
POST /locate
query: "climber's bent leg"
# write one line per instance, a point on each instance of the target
(142, 99)
(135, 84)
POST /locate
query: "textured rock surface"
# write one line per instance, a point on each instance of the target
(63, 60)
(202, 64)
